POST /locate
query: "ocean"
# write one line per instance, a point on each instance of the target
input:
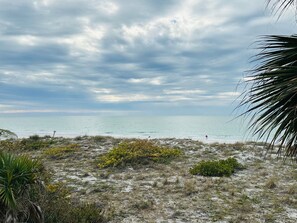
(217, 128)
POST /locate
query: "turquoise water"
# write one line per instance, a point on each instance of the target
(218, 128)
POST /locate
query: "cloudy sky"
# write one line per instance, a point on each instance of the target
(129, 57)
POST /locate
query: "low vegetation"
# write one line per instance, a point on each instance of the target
(61, 152)
(74, 190)
(216, 168)
(27, 144)
(59, 207)
(137, 152)
(18, 177)
(23, 198)
(34, 142)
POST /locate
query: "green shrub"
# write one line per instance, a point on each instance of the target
(19, 175)
(34, 143)
(62, 151)
(35, 137)
(100, 138)
(216, 168)
(78, 138)
(24, 144)
(137, 152)
(87, 213)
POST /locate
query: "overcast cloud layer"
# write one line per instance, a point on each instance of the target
(129, 56)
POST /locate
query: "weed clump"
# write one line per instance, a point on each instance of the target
(216, 168)
(34, 142)
(59, 207)
(9, 145)
(61, 152)
(137, 152)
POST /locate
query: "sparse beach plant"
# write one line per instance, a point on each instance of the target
(165, 182)
(292, 189)
(143, 204)
(34, 143)
(271, 183)
(78, 138)
(217, 168)
(100, 138)
(190, 187)
(9, 145)
(62, 151)
(137, 152)
(59, 207)
(27, 144)
(35, 137)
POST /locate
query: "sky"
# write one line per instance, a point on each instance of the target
(129, 57)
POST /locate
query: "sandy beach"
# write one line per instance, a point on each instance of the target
(265, 191)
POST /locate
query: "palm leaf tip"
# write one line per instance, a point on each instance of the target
(279, 6)
(6, 134)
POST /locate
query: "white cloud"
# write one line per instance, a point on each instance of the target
(184, 91)
(228, 95)
(108, 7)
(175, 27)
(101, 90)
(112, 98)
(124, 98)
(28, 40)
(42, 3)
(88, 41)
(151, 81)
(5, 106)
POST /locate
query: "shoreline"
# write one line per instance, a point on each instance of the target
(209, 140)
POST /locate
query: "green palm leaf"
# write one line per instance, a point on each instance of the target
(17, 175)
(272, 98)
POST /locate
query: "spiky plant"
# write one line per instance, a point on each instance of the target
(17, 176)
(272, 98)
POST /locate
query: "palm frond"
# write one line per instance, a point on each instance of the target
(272, 98)
(17, 175)
(4, 133)
(279, 6)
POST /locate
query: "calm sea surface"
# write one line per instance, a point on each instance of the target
(218, 128)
